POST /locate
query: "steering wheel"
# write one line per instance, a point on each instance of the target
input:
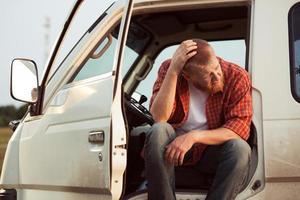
(137, 114)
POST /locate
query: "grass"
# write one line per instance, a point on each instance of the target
(5, 134)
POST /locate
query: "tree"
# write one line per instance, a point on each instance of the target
(3, 121)
(10, 112)
(21, 111)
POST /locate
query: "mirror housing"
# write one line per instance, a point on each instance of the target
(24, 80)
(139, 97)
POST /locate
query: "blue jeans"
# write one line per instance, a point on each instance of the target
(229, 162)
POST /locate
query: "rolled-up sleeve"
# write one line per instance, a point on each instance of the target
(238, 113)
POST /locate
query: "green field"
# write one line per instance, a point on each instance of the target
(5, 134)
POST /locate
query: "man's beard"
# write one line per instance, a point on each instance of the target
(216, 87)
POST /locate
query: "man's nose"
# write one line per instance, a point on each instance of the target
(215, 77)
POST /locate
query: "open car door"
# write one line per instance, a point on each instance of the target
(75, 147)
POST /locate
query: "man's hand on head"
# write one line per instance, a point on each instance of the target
(177, 149)
(164, 91)
(185, 51)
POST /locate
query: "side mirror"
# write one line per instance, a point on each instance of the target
(24, 80)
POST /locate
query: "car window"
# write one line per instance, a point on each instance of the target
(230, 50)
(99, 65)
(90, 12)
(104, 64)
(294, 40)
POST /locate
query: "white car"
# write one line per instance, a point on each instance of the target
(83, 133)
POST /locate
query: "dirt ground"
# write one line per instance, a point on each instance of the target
(5, 134)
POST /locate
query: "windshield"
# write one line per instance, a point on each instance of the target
(88, 13)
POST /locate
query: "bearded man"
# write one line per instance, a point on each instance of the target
(202, 107)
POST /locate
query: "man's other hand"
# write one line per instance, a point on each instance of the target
(176, 150)
(185, 51)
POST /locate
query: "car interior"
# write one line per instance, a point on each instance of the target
(150, 32)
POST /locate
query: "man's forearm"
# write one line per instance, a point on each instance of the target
(214, 136)
(162, 105)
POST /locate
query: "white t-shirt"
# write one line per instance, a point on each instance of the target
(196, 115)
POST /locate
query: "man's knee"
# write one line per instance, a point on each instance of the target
(239, 152)
(160, 135)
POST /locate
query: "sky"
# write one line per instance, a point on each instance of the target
(23, 34)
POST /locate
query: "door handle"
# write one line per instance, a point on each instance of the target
(96, 137)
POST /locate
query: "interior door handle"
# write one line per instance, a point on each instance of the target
(96, 137)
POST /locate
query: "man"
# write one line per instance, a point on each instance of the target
(201, 105)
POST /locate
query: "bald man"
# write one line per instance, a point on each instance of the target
(202, 107)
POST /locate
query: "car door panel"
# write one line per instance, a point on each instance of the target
(69, 160)
(60, 141)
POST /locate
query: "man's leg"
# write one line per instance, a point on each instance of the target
(230, 161)
(160, 174)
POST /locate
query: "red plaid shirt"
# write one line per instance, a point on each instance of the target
(231, 109)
